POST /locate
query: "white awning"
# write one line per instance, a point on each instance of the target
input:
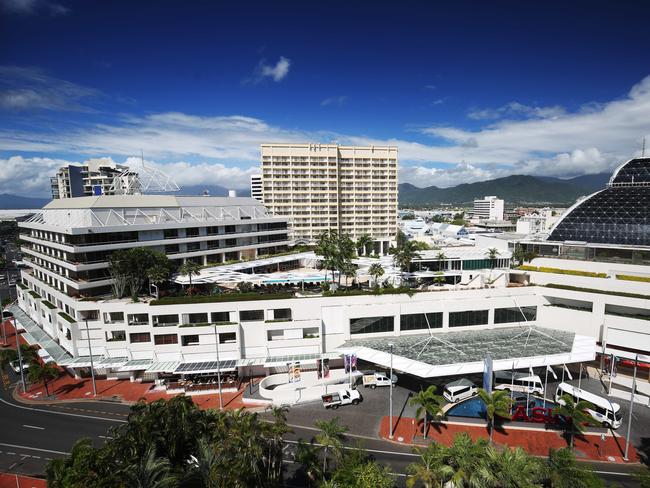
(207, 367)
(81, 362)
(275, 361)
(136, 365)
(163, 367)
(111, 362)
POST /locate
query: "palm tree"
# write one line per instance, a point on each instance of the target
(496, 403)
(150, 472)
(330, 437)
(562, 471)
(204, 466)
(307, 457)
(8, 355)
(575, 415)
(46, 372)
(157, 274)
(428, 403)
(514, 467)
(362, 244)
(431, 469)
(404, 254)
(440, 257)
(376, 271)
(189, 268)
(469, 462)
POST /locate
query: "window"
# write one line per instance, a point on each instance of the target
(469, 317)
(195, 318)
(251, 315)
(218, 317)
(227, 338)
(162, 339)
(139, 337)
(115, 336)
(192, 232)
(370, 325)
(418, 321)
(170, 233)
(275, 335)
(514, 314)
(113, 317)
(310, 333)
(89, 314)
(138, 319)
(282, 314)
(190, 340)
(193, 246)
(165, 320)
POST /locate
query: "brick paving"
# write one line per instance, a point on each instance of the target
(9, 480)
(535, 441)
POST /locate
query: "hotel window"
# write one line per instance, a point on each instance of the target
(165, 320)
(227, 338)
(139, 337)
(218, 317)
(467, 318)
(514, 314)
(190, 340)
(370, 325)
(163, 339)
(282, 314)
(418, 321)
(192, 232)
(251, 315)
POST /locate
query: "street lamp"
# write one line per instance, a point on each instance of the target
(629, 419)
(92, 366)
(216, 342)
(390, 393)
(20, 356)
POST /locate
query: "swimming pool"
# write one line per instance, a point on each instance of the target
(475, 408)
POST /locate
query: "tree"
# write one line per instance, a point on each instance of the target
(131, 268)
(404, 254)
(376, 271)
(429, 403)
(469, 462)
(440, 258)
(46, 372)
(307, 456)
(372, 475)
(519, 256)
(118, 268)
(430, 469)
(362, 244)
(562, 471)
(496, 403)
(8, 355)
(150, 472)
(158, 274)
(514, 467)
(245, 286)
(492, 254)
(189, 268)
(330, 437)
(575, 415)
(421, 246)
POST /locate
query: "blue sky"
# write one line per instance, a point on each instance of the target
(468, 91)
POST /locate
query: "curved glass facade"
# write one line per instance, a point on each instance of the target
(619, 214)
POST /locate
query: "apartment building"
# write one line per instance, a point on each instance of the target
(257, 188)
(489, 208)
(93, 177)
(69, 242)
(351, 189)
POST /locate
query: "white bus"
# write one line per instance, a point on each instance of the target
(604, 411)
(523, 382)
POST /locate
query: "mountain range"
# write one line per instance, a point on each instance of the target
(515, 189)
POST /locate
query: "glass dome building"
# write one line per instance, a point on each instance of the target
(617, 215)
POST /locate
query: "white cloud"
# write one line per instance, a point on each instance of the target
(516, 110)
(30, 7)
(26, 88)
(277, 72)
(336, 101)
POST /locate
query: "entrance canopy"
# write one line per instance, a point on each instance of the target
(275, 361)
(463, 352)
(207, 367)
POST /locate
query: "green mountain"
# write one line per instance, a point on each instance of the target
(515, 189)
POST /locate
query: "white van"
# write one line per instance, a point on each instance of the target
(523, 382)
(604, 411)
(459, 390)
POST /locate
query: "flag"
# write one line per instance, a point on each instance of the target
(568, 373)
(319, 369)
(550, 370)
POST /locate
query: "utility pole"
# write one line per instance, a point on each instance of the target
(20, 356)
(216, 342)
(629, 418)
(390, 393)
(92, 366)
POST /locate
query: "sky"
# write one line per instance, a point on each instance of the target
(468, 91)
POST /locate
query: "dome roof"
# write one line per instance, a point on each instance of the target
(619, 214)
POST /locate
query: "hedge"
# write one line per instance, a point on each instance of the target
(34, 294)
(226, 297)
(601, 292)
(377, 291)
(571, 272)
(67, 317)
(643, 279)
(48, 304)
(22, 286)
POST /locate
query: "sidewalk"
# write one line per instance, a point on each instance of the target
(67, 389)
(535, 441)
(9, 480)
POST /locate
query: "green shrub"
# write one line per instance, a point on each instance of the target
(22, 286)
(643, 279)
(48, 304)
(67, 317)
(572, 272)
(226, 297)
(601, 292)
(34, 294)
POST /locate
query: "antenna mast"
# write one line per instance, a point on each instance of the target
(643, 149)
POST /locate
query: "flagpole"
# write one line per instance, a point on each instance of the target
(528, 388)
(611, 375)
(629, 419)
(512, 386)
(563, 369)
(545, 386)
(580, 376)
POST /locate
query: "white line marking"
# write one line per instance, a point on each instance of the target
(34, 449)
(33, 427)
(11, 453)
(62, 413)
(397, 453)
(104, 437)
(613, 472)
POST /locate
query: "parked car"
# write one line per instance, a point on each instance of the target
(15, 365)
(342, 397)
(373, 380)
(459, 390)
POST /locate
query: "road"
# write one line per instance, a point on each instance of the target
(32, 435)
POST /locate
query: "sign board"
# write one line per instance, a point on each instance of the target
(97, 190)
(487, 374)
(294, 372)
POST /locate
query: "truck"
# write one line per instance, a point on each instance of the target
(373, 380)
(341, 397)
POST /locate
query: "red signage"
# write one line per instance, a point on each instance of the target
(538, 415)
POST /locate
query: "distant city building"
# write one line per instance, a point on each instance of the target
(256, 188)
(350, 189)
(531, 224)
(489, 208)
(93, 177)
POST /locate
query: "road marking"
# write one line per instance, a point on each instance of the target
(62, 413)
(318, 430)
(613, 473)
(34, 449)
(33, 427)
(365, 449)
(104, 437)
